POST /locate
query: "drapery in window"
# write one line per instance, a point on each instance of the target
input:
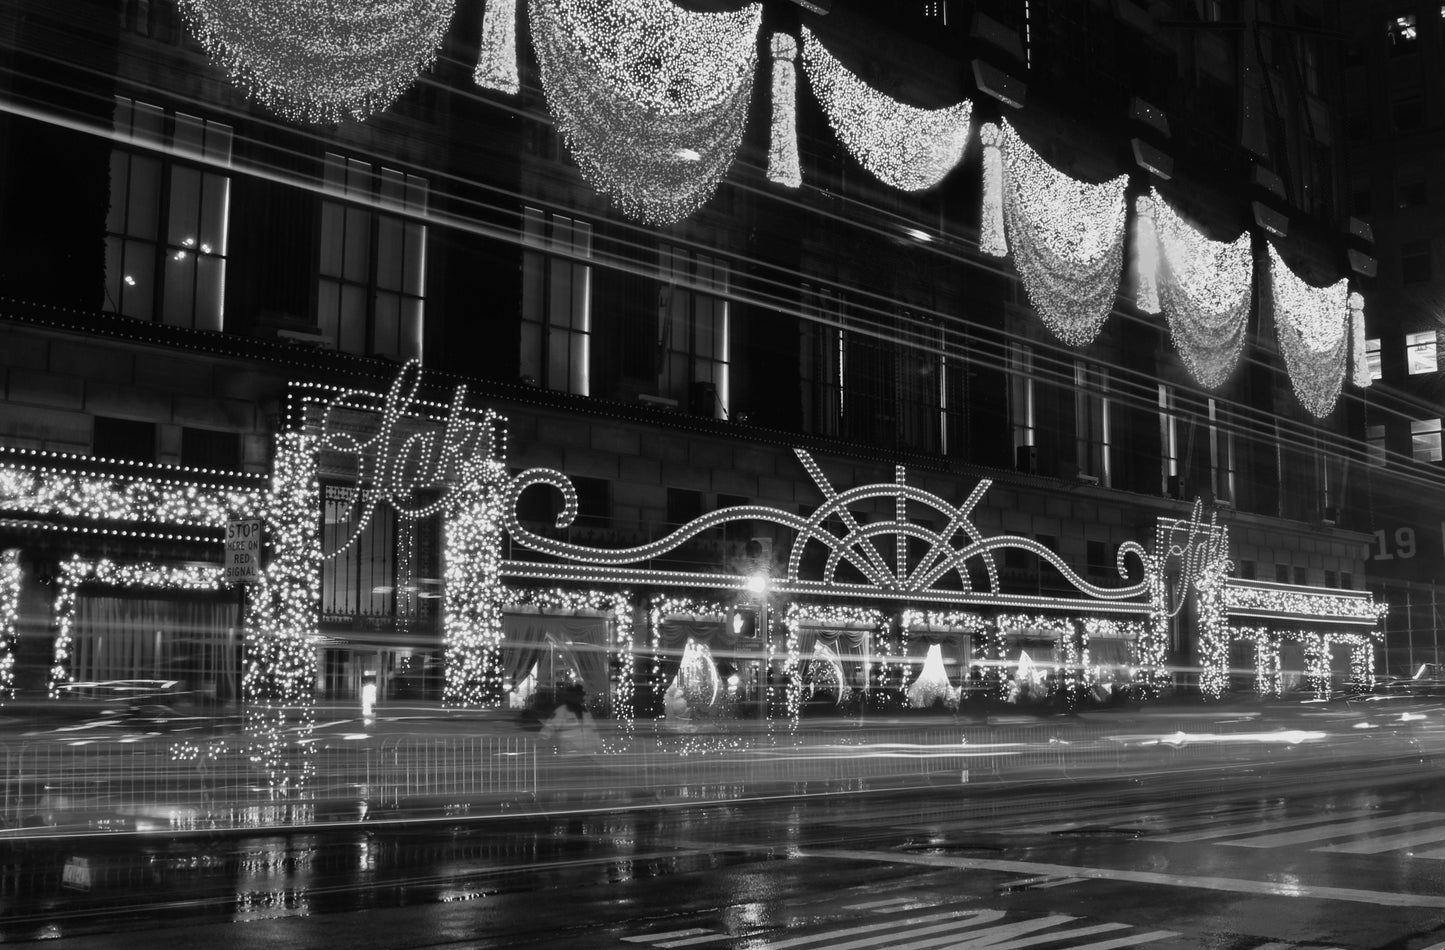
(581, 637)
(192, 641)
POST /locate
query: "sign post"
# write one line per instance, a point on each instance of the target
(243, 552)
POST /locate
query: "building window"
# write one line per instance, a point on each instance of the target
(1415, 261)
(821, 363)
(1093, 433)
(125, 439)
(1425, 440)
(1402, 33)
(1361, 203)
(372, 284)
(693, 332)
(1410, 185)
(359, 581)
(165, 243)
(208, 448)
(1372, 358)
(556, 301)
(1301, 575)
(1422, 352)
(1281, 573)
(1407, 109)
(1375, 439)
(1021, 396)
(1221, 456)
(1169, 439)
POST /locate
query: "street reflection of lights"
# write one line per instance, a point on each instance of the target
(1411, 717)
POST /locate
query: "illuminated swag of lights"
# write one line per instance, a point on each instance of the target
(1313, 327)
(321, 62)
(1067, 236)
(1203, 288)
(909, 148)
(651, 99)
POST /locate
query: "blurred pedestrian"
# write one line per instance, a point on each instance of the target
(571, 727)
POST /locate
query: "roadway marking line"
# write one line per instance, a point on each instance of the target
(1066, 880)
(875, 905)
(668, 935)
(957, 920)
(1234, 885)
(1275, 945)
(1388, 842)
(1130, 941)
(694, 941)
(1339, 830)
(1217, 832)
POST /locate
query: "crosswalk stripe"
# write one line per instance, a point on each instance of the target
(890, 931)
(1064, 880)
(1133, 940)
(1215, 831)
(1338, 830)
(995, 938)
(876, 905)
(1274, 945)
(649, 938)
(694, 941)
(1388, 842)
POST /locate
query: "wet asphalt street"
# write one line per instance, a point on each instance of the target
(1234, 862)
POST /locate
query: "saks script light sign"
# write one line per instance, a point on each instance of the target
(397, 461)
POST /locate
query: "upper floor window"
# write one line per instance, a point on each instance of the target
(556, 301)
(1375, 439)
(1221, 455)
(1372, 358)
(1422, 352)
(1168, 437)
(165, 231)
(821, 363)
(1093, 430)
(1402, 33)
(693, 331)
(1425, 440)
(372, 286)
(1415, 264)
(1411, 190)
(1022, 406)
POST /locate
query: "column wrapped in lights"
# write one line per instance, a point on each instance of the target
(1067, 239)
(910, 148)
(321, 62)
(650, 98)
(281, 622)
(9, 618)
(1146, 254)
(1311, 324)
(473, 593)
(1362, 377)
(1204, 291)
(497, 56)
(783, 143)
(1317, 663)
(991, 239)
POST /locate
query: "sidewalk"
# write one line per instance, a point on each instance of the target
(419, 764)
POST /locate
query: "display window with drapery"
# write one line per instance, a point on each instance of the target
(832, 652)
(1111, 650)
(192, 642)
(940, 652)
(545, 649)
(1034, 656)
(687, 639)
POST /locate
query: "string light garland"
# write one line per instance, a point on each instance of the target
(909, 148)
(73, 494)
(497, 57)
(321, 62)
(77, 571)
(1242, 597)
(1067, 239)
(1204, 290)
(650, 98)
(1362, 377)
(10, 576)
(783, 166)
(1311, 324)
